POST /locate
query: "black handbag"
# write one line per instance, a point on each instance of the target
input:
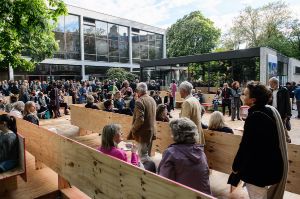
(234, 179)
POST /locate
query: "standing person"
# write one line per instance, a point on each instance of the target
(261, 160)
(83, 92)
(281, 101)
(235, 100)
(191, 107)
(54, 101)
(290, 89)
(162, 113)
(143, 124)
(297, 95)
(226, 98)
(173, 88)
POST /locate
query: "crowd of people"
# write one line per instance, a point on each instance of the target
(261, 160)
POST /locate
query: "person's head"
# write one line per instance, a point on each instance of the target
(108, 105)
(111, 136)
(141, 89)
(185, 89)
(225, 85)
(19, 106)
(173, 81)
(135, 96)
(117, 95)
(257, 94)
(13, 98)
(90, 99)
(274, 82)
(184, 131)
(128, 94)
(8, 122)
(216, 120)
(152, 92)
(29, 107)
(125, 83)
(161, 111)
(41, 94)
(235, 84)
(288, 84)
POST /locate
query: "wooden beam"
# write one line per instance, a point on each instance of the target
(96, 174)
(8, 184)
(62, 183)
(220, 147)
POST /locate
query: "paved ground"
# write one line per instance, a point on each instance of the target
(218, 180)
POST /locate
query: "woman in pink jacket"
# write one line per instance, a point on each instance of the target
(111, 137)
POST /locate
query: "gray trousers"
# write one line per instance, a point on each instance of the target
(144, 151)
(235, 108)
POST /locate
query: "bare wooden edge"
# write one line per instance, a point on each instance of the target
(62, 183)
(96, 174)
(8, 184)
(220, 148)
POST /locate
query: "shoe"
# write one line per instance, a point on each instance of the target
(232, 119)
(243, 118)
(239, 118)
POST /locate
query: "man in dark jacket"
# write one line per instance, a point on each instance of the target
(226, 98)
(281, 101)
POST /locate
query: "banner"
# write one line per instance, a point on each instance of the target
(272, 65)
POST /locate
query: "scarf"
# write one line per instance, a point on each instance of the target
(276, 191)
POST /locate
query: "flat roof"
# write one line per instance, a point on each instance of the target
(233, 54)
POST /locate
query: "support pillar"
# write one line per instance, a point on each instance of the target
(10, 73)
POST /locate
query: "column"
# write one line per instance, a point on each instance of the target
(130, 49)
(10, 73)
(82, 48)
(165, 46)
(83, 72)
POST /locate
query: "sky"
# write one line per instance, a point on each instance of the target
(163, 13)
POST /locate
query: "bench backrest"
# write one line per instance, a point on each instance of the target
(94, 173)
(220, 147)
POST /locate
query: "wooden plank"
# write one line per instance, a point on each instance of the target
(96, 174)
(8, 184)
(62, 183)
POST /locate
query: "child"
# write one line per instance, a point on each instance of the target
(111, 137)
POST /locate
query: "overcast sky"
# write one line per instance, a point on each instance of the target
(163, 13)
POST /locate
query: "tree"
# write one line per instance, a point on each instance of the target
(193, 34)
(26, 28)
(121, 74)
(270, 25)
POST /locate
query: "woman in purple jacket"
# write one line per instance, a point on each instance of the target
(185, 161)
(111, 137)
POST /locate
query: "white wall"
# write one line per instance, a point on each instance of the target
(292, 65)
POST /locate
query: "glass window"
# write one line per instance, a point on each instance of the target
(144, 52)
(151, 38)
(113, 59)
(135, 46)
(101, 47)
(158, 53)
(89, 30)
(60, 25)
(123, 32)
(123, 47)
(151, 52)
(113, 33)
(143, 38)
(101, 29)
(72, 23)
(113, 48)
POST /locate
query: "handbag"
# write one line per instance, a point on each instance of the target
(234, 179)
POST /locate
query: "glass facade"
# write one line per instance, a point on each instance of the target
(105, 41)
(67, 33)
(146, 46)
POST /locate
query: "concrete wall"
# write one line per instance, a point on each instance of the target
(263, 72)
(293, 63)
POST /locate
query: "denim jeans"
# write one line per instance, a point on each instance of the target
(8, 165)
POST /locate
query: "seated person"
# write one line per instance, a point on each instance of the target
(62, 103)
(185, 161)
(120, 105)
(217, 123)
(90, 103)
(204, 126)
(128, 95)
(108, 106)
(157, 98)
(132, 102)
(162, 113)
(9, 106)
(17, 110)
(110, 138)
(217, 99)
(30, 113)
(9, 145)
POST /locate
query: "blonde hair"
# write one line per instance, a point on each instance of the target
(216, 121)
(28, 105)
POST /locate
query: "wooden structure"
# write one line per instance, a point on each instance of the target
(220, 147)
(94, 173)
(8, 180)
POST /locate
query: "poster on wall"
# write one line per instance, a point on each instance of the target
(272, 65)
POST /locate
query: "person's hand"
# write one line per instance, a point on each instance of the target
(134, 148)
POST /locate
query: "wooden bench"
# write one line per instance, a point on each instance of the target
(8, 180)
(220, 147)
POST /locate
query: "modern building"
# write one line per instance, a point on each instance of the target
(257, 64)
(91, 42)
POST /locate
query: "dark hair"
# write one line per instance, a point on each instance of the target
(151, 92)
(13, 98)
(107, 104)
(260, 92)
(159, 111)
(234, 84)
(288, 83)
(10, 121)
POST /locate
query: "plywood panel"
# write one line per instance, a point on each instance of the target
(96, 174)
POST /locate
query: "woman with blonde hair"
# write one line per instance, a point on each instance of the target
(217, 123)
(30, 113)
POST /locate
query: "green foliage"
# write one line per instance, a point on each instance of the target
(270, 25)
(121, 74)
(26, 27)
(193, 34)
